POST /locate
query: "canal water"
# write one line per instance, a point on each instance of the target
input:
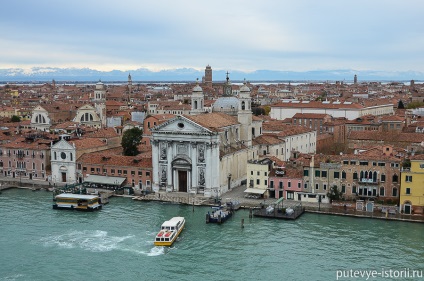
(116, 243)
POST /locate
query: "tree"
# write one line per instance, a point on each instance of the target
(130, 141)
(334, 193)
(15, 119)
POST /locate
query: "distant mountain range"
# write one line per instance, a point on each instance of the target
(42, 74)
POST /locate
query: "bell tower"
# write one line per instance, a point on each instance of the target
(244, 115)
(197, 100)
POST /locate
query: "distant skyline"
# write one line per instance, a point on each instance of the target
(362, 35)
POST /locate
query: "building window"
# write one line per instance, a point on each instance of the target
(381, 191)
(299, 185)
(112, 171)
(394, 192)
(354, 191)
(324, 174)
(281, 185)
(265, 174)
(305, 186)
(305, 173)
(258, 181)
(343, 175)
(140, 173)
(316, 186)
(343, 188)
(408, 190)
(266, 182)
(325, 187)
(383, 177)
(317, 173)
(408, 178)
(395, 178)
(336, 175)
(92, 170)
(104, 171)
(258, 173)
(289, 184)
(147, 174)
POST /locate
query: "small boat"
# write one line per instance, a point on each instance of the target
(218, 215)
(169, 231)
(78, 202)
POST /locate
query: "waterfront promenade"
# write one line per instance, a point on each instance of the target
(236, 194)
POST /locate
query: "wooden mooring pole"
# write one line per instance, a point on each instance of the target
(242, 223)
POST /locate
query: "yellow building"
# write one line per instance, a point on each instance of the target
(257, 177)
(412, 187)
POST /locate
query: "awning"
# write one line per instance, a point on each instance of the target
(255, 190)
(105, 180)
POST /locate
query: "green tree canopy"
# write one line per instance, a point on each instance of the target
(334, 193)
(15, 119)
(131, 140)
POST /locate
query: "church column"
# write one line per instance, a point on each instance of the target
(155, 165)
(194, 181)
(169, 185)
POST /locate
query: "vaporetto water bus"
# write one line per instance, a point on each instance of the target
(169, 231)
(80, 202)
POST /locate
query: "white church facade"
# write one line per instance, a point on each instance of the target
(206, 153)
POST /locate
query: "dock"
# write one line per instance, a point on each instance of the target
(278, 210)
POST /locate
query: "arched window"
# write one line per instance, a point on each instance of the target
(243, 105)
(195, 104)
(71, 156)
(55, 155)
(395, 178)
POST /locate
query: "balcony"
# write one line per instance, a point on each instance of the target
(369, 181)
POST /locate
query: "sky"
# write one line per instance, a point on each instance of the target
(244, 35)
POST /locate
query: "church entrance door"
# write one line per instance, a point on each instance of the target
(63, 177)
(182, 181)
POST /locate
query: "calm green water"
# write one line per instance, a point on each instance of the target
(116, 243)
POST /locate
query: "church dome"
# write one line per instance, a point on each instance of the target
(226, 103)
(244, 88)
(197, 88)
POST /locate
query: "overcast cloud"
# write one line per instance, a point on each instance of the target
(240, 35)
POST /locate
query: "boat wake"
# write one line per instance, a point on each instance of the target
(12, 277)
(100, 241)
(95, 241)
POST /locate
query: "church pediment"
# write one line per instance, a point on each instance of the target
(181, 125)
(62, 145)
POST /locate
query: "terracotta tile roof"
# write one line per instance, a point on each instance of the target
(392, 118)
(20, 143)
(213, 121)
(310, 115)
(87, 143)
(289, 130)
(66, 125)
(378, 136)
(273, 126)
(110, 159)
(103, 133)
(267, 139)
(318, 104)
